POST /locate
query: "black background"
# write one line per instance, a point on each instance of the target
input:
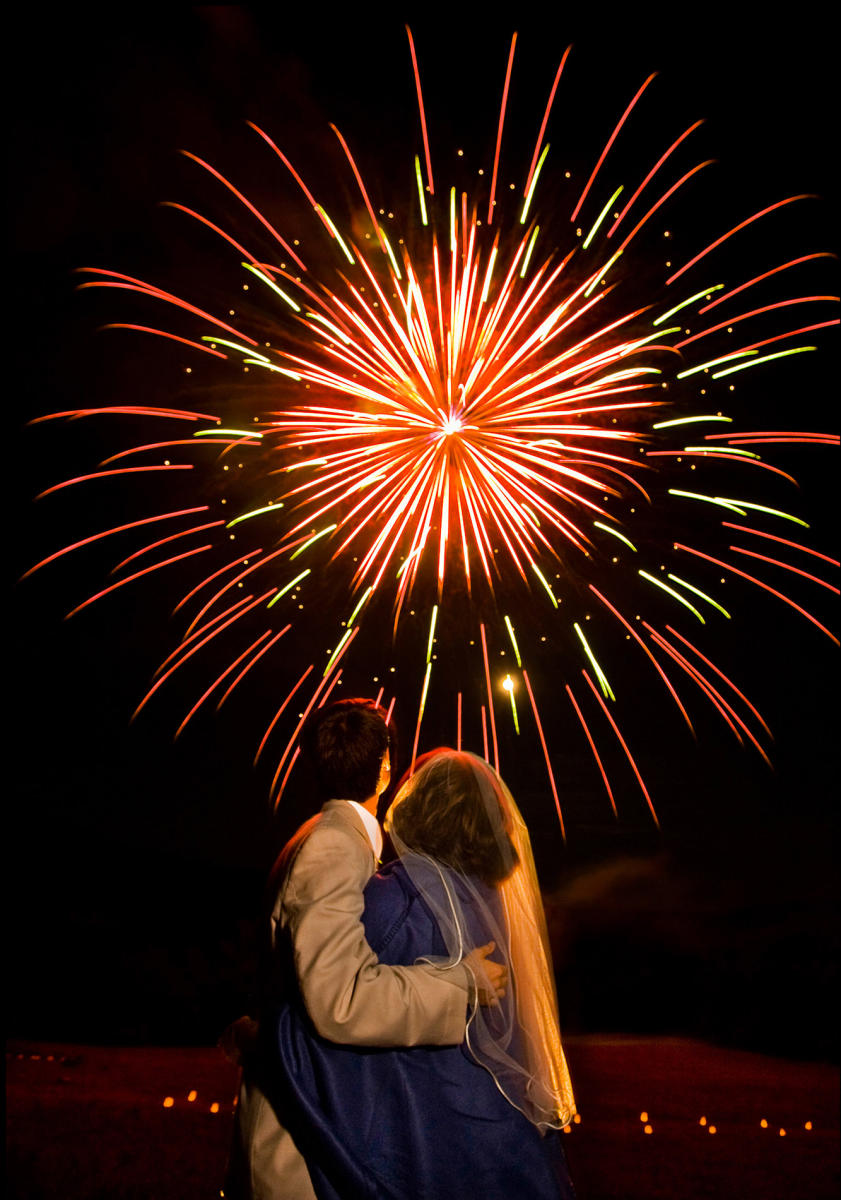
(137, 863)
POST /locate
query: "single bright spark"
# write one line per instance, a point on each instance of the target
(508, 684)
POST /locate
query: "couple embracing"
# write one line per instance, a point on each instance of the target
(407, 1046)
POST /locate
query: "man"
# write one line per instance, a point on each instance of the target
(319, 952)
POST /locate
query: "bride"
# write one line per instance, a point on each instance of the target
(443, 1122)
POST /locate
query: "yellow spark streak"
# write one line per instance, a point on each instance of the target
(488, 275)
(431, 632)
(530, 192)
(739, 505)
(542, 579)
(607, 691)
(248, 433)
(333, 328)
(754, 362)
(215, 341)
(713, 449)
(333, 656)
(453, 238)
(616, 534)
(598, 278)
(526, 260)
(709, 499)
(365, 596)
(689, 421)
(713, 362)
(311, 462)
(322, 533)
(289, 585)
(271, 283)
(677, 596)
(690, 587)
(255, 513)
(414, 554)
(423, 693)
(685, 303)
(510, 629)
(602, 216)
(420, 190)
(336, 235)
(390, 252)
(267, 366)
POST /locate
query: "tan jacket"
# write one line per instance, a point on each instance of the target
(349, 996)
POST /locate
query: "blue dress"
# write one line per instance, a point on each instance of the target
(426, 1123)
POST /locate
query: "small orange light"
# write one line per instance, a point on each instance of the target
(764, 1123)
(782, 1133)
(567, 1129)
(713, 1129)
(703, 1121)
(648, 1129)
(808, 1125)
(577, 1120)
(168, 1102)
(191, 1095)
(214, 1108)
(643, 1116)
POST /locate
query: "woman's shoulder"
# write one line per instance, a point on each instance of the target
(390, 886)
(396, 917)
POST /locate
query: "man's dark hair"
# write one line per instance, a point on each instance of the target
(346, 742)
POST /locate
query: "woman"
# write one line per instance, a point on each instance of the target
(441, 1123)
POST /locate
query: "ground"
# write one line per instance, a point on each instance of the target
(106, 1123)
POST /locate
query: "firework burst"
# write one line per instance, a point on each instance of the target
(481, 419)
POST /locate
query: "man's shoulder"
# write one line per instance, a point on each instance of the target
(337, 825)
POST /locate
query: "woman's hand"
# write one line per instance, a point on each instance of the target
(491, 977)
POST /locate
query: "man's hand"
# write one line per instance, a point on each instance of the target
(491, 977)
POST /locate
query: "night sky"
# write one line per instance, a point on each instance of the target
(138, 863)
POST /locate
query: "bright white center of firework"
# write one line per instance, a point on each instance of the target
(508, 683)
(452, 425)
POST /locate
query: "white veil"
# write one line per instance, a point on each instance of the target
(454, 803)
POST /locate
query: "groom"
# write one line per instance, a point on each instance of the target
(318, 950)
